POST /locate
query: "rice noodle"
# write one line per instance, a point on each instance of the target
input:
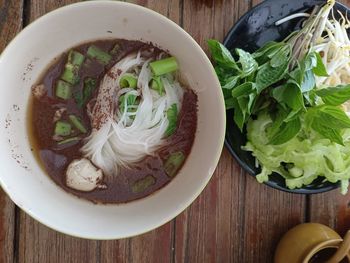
(121, 138)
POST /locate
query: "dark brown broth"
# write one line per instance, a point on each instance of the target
(55, 159)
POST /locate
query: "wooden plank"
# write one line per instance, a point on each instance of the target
(10, 24)
(230, 219)
(155, 246)
(37, 243)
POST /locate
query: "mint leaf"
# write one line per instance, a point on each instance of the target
(334, 95)
(286, 132)
(320, 69)
(248, 63)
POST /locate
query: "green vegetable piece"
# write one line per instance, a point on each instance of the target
(320, 69)
(75, 58)
(128, 99)
(164, 66)
(157, 84)
(63, 128)
(77, 123)
(248, 63)
(142, 184)
(279, 58)
(98, 54)
(174, 163)
(128, 81)
(287, 131)
(82, 98)
(335, 95)
(172, 114)
(289, 94)
(295, 171)
(71, 74)
(327, 132)
(69, 140)
(63, 90)
(268, 75)
(221, 55)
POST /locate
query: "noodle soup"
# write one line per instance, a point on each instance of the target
(110, 122)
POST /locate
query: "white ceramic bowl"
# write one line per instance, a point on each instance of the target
(25, 59)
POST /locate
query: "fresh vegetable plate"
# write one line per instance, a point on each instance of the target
(251, 32)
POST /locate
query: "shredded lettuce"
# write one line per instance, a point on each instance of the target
(302, 159)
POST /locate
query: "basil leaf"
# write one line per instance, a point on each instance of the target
(248, 63)
(229, 103)
(243, 89)
(172, 114)
(287, 131)
(238, 115)
(221, 54)
(320, 69)
(289, 94)
(333, 117)
(268, 75)
(327, 132)
(334, 95)
(230, 82)
(279, 58)
(308, 83)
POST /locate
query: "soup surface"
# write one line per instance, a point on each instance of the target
(56, 152)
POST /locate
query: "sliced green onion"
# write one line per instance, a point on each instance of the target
(82, 97)
(171, 113)
(69, 140)
(174, 163)
(75, 58)
(63, 90)
(128, 81)
(98, 54)
(130, 100)
(63, 128)
(71, 74)
(142, 184)
(157, 85)
(77, 123)
(164, 66)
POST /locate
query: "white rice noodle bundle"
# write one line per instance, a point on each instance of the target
(126, 137)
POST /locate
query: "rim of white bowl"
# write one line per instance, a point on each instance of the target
(216, 155)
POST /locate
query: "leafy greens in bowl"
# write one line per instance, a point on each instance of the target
(290, 99)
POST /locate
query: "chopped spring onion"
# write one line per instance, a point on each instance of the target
(173, 163)
(98, 54)
(128, 99)
(69, 140)
(63, 90)
(63, 128)
(128, 81)
(157, 85)
(77, 123)
(83, 97)
(75, 58)
(164, 66)
(71, 74)
(172, 118)
(142, 184)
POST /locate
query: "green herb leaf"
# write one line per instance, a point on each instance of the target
(335, 95)
(221, 54)
(268, 75)
(327, 132)
(333, 117)
(287, 131)
(248, 63)
(279, 58)
(308, 83)
(289, 94)
(172, 114)
(230, 82)
(243, 89)
(320, 69)
(238, 115)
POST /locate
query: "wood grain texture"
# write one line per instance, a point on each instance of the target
(10, 24)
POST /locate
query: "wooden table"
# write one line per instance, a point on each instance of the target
(235, 219)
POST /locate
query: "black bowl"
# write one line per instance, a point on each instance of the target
(253, 30)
